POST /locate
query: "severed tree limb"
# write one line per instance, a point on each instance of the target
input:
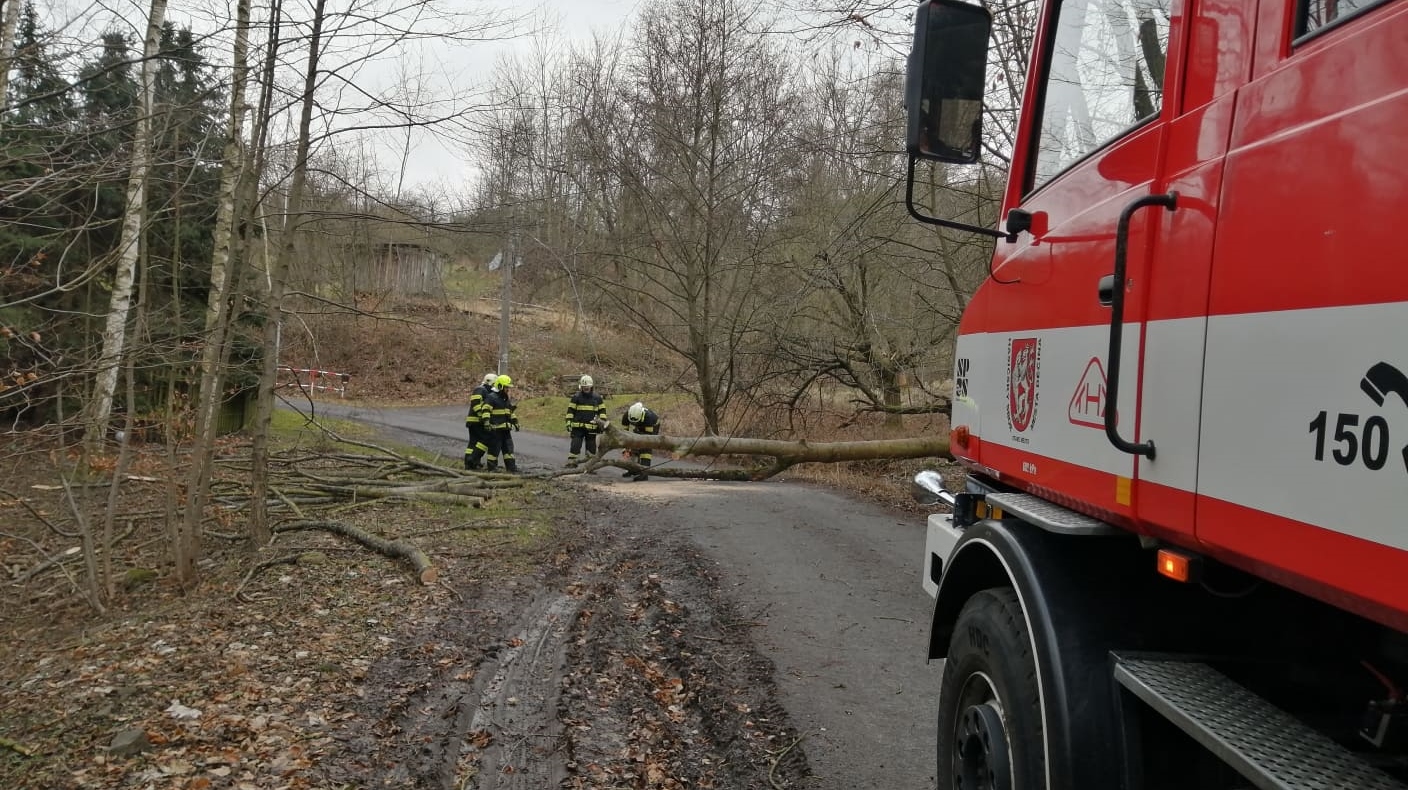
(864, 407)
(425, 572)
(291, 504)
(24, 503)
(16, 747)
(735, 474)
(441, 492)
(290, 559)
(349, 506)
(416, 463)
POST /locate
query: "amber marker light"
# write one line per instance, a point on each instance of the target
(959, 436)
(1175, 565)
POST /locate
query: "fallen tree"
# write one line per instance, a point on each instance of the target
(784, 454)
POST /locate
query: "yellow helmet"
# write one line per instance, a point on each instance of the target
(503, 382)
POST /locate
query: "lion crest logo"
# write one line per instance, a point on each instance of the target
(1023, 373)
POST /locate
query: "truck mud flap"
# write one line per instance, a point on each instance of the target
(1260, 741)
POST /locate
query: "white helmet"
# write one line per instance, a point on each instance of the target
(636, 413)
(585, 383)
(489, 379)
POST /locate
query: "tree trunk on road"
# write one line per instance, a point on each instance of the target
(784, 453)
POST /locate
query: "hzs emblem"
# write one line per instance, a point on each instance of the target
(1023, 373)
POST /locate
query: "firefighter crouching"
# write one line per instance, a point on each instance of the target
(641, 420)
(479, 437)
(583, 411)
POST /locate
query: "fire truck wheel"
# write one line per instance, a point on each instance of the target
(990, 733)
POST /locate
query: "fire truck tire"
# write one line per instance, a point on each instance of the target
(990, 730)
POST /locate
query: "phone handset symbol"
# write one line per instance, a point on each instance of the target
(1384, 380)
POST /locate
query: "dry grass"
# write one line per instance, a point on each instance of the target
(424, 352)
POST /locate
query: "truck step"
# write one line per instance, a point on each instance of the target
(1263, 743)
(1049, 516)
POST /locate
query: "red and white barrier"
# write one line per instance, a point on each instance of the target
(313, 380)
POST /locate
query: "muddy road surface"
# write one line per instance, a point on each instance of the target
(780, 630)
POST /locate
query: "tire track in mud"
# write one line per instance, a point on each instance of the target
(510, 737)
(664, 687)
(618, 662)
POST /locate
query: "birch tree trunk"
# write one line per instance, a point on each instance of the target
(260, 531)
(186, 543)
(9, 18)
(115, 328)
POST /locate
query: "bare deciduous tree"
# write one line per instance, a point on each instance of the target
(115, 328)
(707, 144)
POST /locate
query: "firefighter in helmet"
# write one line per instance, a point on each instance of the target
(474, 423)
(585, 410)
(641, 420)
(502, 422)
(496, 420)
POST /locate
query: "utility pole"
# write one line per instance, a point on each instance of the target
(506, 299)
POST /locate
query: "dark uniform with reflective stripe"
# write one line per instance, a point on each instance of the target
(649, 425)
(502, 422)
(583, 411)
(478, 433)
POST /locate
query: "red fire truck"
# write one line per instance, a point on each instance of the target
(1180, 556)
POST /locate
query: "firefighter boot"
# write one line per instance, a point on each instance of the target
(511, 467)
(492, 467)
(641, 475)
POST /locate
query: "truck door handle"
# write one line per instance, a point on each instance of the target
(1105, 289)
(1112, 386)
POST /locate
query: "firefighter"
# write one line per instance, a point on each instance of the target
(584, 410)
(641, 420)
(474, 423)
(502, 422)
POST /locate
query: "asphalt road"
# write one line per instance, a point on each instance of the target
(832, 584)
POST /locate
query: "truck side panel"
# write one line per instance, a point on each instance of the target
(1304, 439)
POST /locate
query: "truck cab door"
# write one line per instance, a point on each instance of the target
(1098, 144)
(1170, 280)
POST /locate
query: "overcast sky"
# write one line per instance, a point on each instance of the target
(432, 163)
(438, 66)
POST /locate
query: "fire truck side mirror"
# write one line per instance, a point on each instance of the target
(945, 81)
